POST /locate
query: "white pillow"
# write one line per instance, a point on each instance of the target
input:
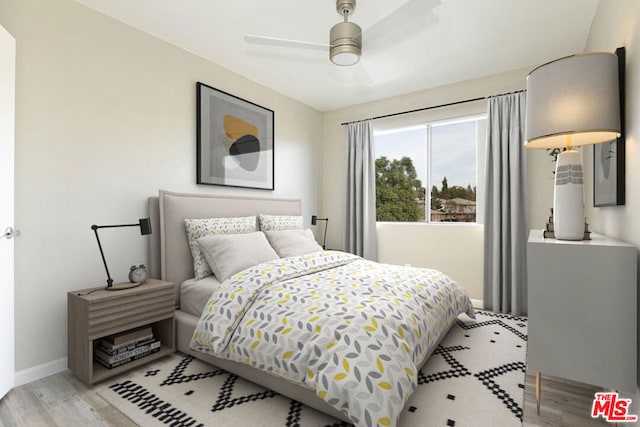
(292, 242)
(197, 228)
(228, 254)
(280, 222)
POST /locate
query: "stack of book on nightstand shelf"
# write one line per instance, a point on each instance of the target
(123, 348)
(549, 234)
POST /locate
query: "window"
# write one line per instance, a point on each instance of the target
(439, 156)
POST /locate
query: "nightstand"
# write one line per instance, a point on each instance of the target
(582, 310)
(96, 313)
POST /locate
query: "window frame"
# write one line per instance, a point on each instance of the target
(428, 125)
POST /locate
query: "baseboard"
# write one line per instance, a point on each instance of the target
(477, 303)
(40, 371)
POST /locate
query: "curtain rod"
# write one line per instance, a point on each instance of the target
(432, 107)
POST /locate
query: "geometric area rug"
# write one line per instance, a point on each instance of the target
(474, 378)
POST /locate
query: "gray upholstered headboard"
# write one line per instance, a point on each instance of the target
(169, 253)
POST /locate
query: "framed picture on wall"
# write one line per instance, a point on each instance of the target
(608, 173)
(609, 157)
(235, 140)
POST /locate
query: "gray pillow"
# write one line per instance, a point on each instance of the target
(228, 254)
(293, 242)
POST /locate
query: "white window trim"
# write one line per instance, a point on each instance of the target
(479, 166)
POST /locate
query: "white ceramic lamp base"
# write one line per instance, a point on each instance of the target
(568, 197)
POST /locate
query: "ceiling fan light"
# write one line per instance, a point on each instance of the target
(346, 44)
(346, 57)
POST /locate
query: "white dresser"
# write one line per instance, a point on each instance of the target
(582, 310)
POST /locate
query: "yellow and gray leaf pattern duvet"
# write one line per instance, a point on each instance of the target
(354, 331)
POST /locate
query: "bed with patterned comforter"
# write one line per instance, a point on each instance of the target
(355, 331)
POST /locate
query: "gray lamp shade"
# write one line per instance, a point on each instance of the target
(577, 96)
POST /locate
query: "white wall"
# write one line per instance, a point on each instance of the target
(105, 117)
(617, 23)
(457, 250)
(540, 180)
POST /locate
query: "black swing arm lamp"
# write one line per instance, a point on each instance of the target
(314, 221)
(145, 228)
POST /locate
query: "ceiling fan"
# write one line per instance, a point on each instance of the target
(345, 38)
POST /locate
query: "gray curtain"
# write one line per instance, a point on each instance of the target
(360, 222)
(505, 218)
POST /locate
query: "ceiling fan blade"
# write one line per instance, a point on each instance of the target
(276, 41)
(412, 17)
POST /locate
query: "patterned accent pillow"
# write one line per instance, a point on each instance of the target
(280, 222)
(197, 228)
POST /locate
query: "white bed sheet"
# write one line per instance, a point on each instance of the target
(194, 294)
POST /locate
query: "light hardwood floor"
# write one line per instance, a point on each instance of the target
(562, 403)
(59, 400)
(63, 400)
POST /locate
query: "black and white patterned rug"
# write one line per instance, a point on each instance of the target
(474, 378)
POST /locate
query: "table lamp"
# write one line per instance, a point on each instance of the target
(145, 228)
(571, 102)
(314, 221)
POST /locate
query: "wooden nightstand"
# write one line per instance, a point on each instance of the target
(95, 315)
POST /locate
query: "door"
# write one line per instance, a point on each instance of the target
(7, 139)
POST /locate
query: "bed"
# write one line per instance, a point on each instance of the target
(171, 260)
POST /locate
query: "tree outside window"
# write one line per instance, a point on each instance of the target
(439, 156)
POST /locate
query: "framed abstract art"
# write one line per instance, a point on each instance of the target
(235, 140)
